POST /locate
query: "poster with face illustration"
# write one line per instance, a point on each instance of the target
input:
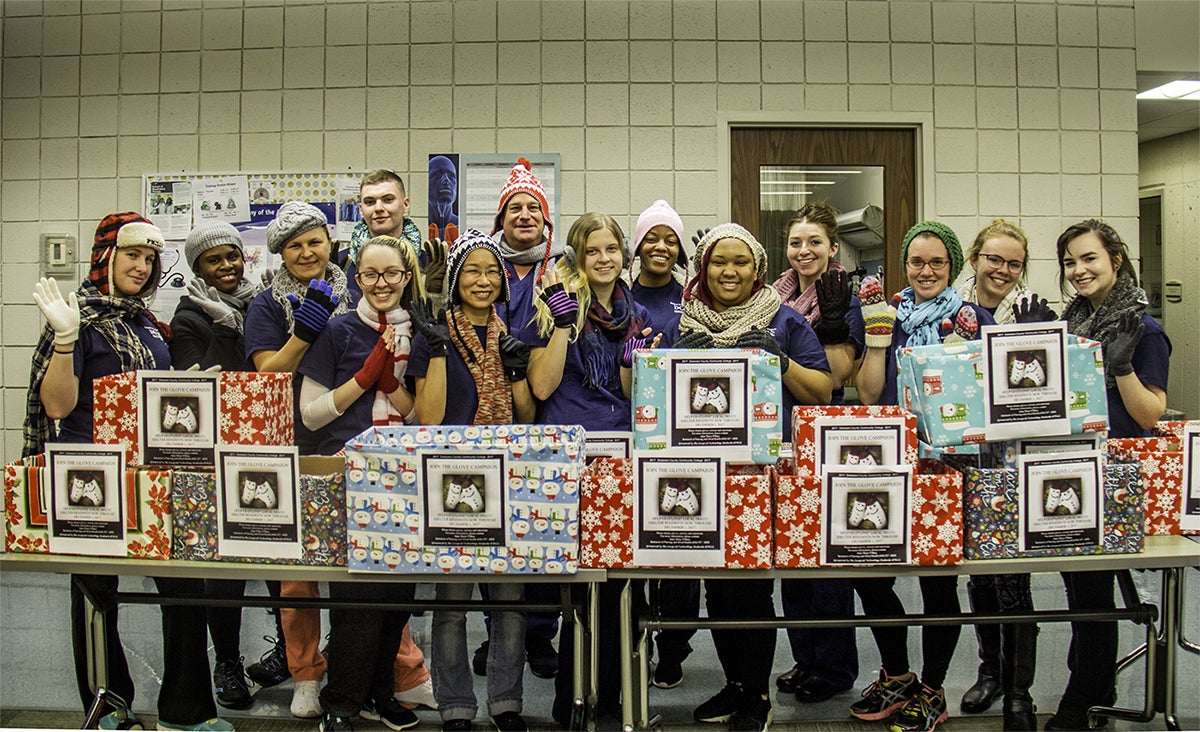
(88, 501)
(258, 501)
(1025, 380)
(867, 515)
(1061, 501)
(465, 498)
(180, 415)
(677, 508)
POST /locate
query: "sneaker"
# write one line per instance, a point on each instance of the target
(923, 712)
(479, 660)
(420, 695)
(120, 720)
(272, 668)
(457, 725)
(543, 659)
(668, 673)
(332, 723)
(721, 707)
(216, 724)
(229, 683)
(510, 722)
(754, 716)
(390, 712)
(789, 680)
(306, 699)
(885, 695)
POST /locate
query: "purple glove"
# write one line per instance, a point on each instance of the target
(634, 343)
(563, 305)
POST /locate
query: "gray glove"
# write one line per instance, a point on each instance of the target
(209, 300)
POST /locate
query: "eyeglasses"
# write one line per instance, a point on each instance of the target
(1015, 266)
(937, 265)
(474, 273)
(392, 277)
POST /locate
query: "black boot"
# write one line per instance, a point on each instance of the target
(981, 696)
(1020, 662)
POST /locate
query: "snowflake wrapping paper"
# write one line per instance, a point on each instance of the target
(943, 385)
(322, 519)
(762, 405)
(540, 517)
(1160, 461)
(606, 516)
(148, 516)
(255, 409)
(936, 519)
(991, 510)
(1173, 428)
(804, 429)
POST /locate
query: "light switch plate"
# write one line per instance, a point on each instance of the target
(59, 255)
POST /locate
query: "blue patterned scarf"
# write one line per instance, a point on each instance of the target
(923, 322)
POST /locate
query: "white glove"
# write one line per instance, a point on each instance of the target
(63, 315)
(209, 300)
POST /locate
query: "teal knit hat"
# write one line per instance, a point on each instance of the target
(943, 232)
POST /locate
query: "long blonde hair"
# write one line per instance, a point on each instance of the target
(570, 269)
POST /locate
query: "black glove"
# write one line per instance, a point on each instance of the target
(310, 317)
(1118, 353)
(434, 328)
(761, 339)
(700, 234)
(833, 298)
(515, 356)
(1033, 310)
(694, 339)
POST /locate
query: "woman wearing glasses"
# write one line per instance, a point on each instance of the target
(353, 378)
(926, 312)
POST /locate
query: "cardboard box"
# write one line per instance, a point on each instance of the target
(991, 510)
(1160, 461)
(936, 519)
(394, 475)
(148, 527)
(744, 424)
(804, 430)
(253, 409)
(943, 385)
(607, 521)
(322, 518)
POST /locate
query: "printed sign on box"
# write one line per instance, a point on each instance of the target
(878, 435)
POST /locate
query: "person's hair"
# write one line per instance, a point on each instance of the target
(570, 268)
(1109, 238)
(820, 213)
(1002, 227)
(413, 291)
(382, 175)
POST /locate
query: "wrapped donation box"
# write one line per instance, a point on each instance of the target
(681, 511)
(501, 499)
(1023, 385)
(724, 400)
(178, 418)
(852, 435)
(143, 500)
(1163, 466)
(868, 516)
(1054, 504)
(316, 518)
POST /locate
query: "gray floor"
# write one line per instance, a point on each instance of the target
(37, 681)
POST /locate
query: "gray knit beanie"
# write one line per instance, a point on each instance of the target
(293, 219)
(207, 235)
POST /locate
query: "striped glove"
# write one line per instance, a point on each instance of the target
(879, 317)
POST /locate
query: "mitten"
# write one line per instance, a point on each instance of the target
(879, 317)
(965, 327)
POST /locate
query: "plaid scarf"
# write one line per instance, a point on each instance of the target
(1100, 324)
(726, 326)
(110, 317)
(383, 412)
(602, 336)
(491, 383)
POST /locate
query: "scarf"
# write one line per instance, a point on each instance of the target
(603, 333)
(804, 302)
(1004, 313)
(359, 236)
(923, 322)
(543, 252)
(495, 400)
(112, 319)
(383, 412)
(1101, 324)
(285, 283)
(727, 326)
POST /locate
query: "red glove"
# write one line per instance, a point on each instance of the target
(379, 359)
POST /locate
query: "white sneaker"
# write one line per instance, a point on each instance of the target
(169, 416)
(472, 499)
(266, 494)
(249, 490)
(420, 695)
(1035, 372)
(670, 498)
(306, 699)
(1017, 372)
(699, 398)
(716, 397)
(688, 501)
(1053, 498)
(453, 496)
(187, 418)
(1070, 501)
(857, 512)
(876, 515)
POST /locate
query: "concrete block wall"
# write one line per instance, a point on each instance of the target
(1032, 104)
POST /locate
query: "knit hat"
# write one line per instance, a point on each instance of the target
(118, 231)
(660, 213)
(467, 242)
(943, 232)
(208, 235)
(731, 231)
(293, 219)
(522, 180)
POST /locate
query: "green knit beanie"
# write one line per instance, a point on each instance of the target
(943, 232)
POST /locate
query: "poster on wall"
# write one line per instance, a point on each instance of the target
(169, 206)
(482, 176)
(1025, 380)
(87, 499)
(348, 214)
(221, 199)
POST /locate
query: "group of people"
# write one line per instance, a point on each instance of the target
(518, 325)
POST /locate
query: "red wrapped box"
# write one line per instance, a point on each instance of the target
(1161, 462)
(804, 431)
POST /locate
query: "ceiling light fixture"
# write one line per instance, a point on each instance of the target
(1187, 90)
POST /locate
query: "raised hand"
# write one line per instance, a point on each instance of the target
(1118, 352)
(312, 315)
(879, 316)
(633, 343)
(563, 304)
(965, 327)
(63, 315)
(435, 261)
(515, 356)
(373, 367)
(433, 327)
(1033, 310)
(833, 299)
(209, 300)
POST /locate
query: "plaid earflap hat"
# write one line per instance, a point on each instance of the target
(118, 231)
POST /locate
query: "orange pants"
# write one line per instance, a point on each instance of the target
(302, 631)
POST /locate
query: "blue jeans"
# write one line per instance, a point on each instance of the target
(453, 684)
